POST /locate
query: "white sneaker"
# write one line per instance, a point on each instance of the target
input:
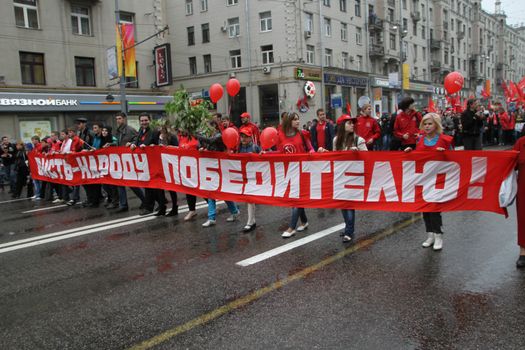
(347, 239)
(233, 217)
(438, 242)
(190, 215)
(429, 241)
(287, 234)
(71, 202)
(58, 200)
(302, 227)
(208, 223)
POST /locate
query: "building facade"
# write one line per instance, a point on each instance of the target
(54, 67)
(373, 50)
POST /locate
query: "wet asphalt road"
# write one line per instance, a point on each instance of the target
(116, 285)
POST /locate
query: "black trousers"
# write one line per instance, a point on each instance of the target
(433, 222)
(472, 142)
(93, 193)
(192, 201)
(153, 195)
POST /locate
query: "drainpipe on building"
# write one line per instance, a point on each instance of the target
(248, 44)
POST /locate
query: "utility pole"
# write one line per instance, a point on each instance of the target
(322, 52)
(401, 30)
(123, 102)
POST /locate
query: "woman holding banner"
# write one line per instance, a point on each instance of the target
(292, 140)
(346, 139)
(433, 140)
(187, 141)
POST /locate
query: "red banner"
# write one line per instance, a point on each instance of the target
(388, 181)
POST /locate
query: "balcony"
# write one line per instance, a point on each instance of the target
(435, 44)
(435, 65)
(416, 16)
(475, 75)
(376, 50)
(375, 24)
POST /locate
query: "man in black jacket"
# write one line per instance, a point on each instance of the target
(471, 124)
(322, 132)
(126, 135)
(7, 155)
(146, 137)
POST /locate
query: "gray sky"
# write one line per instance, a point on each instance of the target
(514, 9)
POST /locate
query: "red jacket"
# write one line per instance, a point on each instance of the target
(505, 121)
(76, 144)
(407, 124)
(367, 128)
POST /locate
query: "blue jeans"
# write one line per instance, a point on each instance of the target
(212, 208)
(123, 198)
(296, 213)
(38, 188)
(386, 143)
(349, 217)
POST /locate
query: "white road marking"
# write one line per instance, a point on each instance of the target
(71, 233)
(15, 200)
(292, 245)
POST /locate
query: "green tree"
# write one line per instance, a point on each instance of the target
(187, 117)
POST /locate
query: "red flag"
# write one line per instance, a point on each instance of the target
(484, 94)
(431, 106)
(515, 94)
(349, 108)
(521, 84)
(505, 89)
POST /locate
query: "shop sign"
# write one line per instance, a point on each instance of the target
(421, 87)
(163, 65)
(307, 74)
(378, 82)
(36, 102)
(337, 100)
(345, 80)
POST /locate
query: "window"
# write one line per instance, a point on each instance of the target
(342, 5)
(189, 7)
(415, 51)
(267, 54)
(234, 28)
(424, 76)
(26, 13)
(359, 63)
(446, 57)
(404, 4)
(207, 63)
(32, 68)
(85, 71)
(405, 24)
(309, 22)
(344, 32)
(328, 57)
(326, 3)
(232, 2)
(344, 60)
(235, 58)
(191, 36)
(310, 54)
(126, 17)
(423, 32)
(358, 8)
(266, 21)
(193, 65)
(358, 36)
(204, 5)
(416, 73)
(414, 28)
(80, 21)
(424, 54)
(205, 33)
(327, 27)
(391, 15)
(392, 41)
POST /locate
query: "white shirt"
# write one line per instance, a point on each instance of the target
(66, 146)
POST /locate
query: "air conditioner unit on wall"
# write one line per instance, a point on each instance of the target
(267, 70)
(307, 34)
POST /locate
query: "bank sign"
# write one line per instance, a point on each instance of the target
(36, 102)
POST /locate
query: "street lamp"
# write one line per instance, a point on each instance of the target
(403, 32)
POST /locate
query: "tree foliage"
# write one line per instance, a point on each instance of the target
(185, 116)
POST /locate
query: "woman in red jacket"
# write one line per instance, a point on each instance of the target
(406, 125)
(520, 200)
(292, 140)
(433, 140)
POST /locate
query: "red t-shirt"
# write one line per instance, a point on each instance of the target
(293, 144)
(321, 134)
(186, 143)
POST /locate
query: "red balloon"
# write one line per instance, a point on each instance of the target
(233, 87)
(230, 137)
(216, 92)
(269, 138)
(454, 82)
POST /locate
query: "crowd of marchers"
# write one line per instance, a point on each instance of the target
(406, 130)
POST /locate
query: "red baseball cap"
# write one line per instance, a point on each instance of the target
(246, 131)
(246, 115)
(342, 119)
